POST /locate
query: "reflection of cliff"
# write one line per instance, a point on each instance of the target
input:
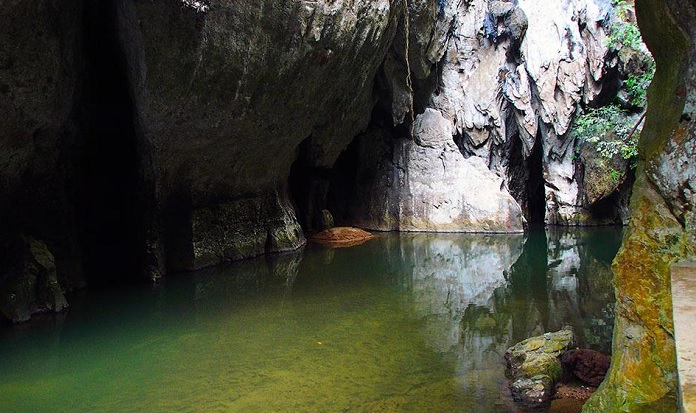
(478, 295)
(454, 273)
(580, 289)
(563, 278)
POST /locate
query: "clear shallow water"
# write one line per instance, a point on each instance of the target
(402, 323)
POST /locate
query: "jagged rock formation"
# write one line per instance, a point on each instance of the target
(642, 377)
(497, 78)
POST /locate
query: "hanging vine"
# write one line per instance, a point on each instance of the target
(409, 82)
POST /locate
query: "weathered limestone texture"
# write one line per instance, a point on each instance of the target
(492, 79)
(225, 95)
(436, 189)
(642, 377)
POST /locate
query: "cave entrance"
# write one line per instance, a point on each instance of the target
(536, 195)
(526, 181)
(107, 199)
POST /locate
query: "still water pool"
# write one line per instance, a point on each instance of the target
(402, 323)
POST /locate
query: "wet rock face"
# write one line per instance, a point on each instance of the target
(642, 377)
(224, 102)
(39, 58)
(31, 284)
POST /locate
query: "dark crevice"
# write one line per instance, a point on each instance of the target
(526, 181)
(308, 186)
(536, 195)
(108, 195)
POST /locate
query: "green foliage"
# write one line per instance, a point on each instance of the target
(637, 85)
(623, 33)
(609, 129)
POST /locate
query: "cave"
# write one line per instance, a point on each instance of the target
(107, 198)
(536, 196)
(526, 181)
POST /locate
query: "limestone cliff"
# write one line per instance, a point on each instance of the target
(224, 95)
(503, 81)
(663, 228)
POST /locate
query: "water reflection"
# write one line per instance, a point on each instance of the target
(410, 322)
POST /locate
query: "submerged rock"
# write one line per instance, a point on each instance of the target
(534, 368)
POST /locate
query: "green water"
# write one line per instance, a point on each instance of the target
(402, 323)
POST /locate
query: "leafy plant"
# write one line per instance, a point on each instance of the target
(624, 33)
(636, 86)
(596, 125)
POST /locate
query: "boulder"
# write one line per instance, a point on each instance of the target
(534, 368)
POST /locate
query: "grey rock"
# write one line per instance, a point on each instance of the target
(533, 393)
(225, 102)
(429, 185)
(31, 285)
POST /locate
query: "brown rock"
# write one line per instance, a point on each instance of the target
(341, 237)
(587, 365)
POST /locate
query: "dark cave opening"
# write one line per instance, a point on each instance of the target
(107, 199)
(536, 195)
(526, 181)
(308, 185)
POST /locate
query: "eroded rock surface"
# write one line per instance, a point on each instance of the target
(506, 77)
(235, 89)
(31, 285)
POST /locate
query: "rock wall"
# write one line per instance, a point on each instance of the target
(138, 137)
(39, 65)
(642, 377)
(501, 80)
(224, 96)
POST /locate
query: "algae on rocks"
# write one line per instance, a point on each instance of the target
(534, 368)
(643, 372)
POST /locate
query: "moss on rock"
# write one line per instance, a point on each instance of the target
(643, 375)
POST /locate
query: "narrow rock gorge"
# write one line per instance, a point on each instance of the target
(142, 137)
